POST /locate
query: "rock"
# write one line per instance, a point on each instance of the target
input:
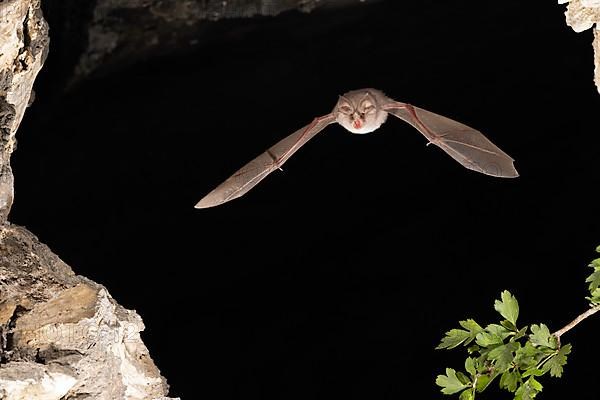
(64, 336)
(104, 35)
(23, 49)
(582, 15)
(61, 336)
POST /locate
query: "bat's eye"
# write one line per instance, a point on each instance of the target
(346, 109)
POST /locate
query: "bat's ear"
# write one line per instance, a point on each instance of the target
(344, 98)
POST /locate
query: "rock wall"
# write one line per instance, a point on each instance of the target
(63, 336)
(23, 49)
(582, 15)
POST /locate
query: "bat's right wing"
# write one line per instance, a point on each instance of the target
(256, 170)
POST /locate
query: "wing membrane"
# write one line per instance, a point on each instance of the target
(256, 170)
(466, 145)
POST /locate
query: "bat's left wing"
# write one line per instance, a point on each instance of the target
(466, 145)
(256, 170)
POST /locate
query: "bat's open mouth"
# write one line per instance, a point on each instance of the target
(357, 123)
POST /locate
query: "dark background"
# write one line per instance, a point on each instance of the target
(337, 277)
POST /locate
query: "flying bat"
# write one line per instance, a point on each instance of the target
(363, 111)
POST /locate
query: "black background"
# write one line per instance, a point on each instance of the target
(337, 277)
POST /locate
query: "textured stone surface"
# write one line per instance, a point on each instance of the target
(23, 49)
(62, 336)
(582, 15)
(101, 36)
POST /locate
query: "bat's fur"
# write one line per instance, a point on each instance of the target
(356, 100)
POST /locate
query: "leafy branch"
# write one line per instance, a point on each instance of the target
(519, 356)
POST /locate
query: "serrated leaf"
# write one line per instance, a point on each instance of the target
(594, 280)
(528, 356)
(471, 325)
(535, 384)
(595, 298)
(541, 336)
(509, 325)
(470, 366)
(463, 378)
(450, 383)
(556, 363)
(483, 381)
(508, 307)
(533, 372)
(453, 338)
(528, 390)
(503, 355)
(473, 349)
(467, 395)
(510, 380)
(520, 333)
(493, 334)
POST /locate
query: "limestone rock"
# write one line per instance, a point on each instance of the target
(23, 48)
(63, 336)
(582, 15)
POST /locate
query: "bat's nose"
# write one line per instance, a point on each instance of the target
(357, 123)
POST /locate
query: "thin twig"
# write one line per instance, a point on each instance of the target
(576, 321)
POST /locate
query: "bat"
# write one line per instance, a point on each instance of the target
(364, 111)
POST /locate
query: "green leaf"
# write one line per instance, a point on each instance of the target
(471, 326)
(483, 381)
(520, 333)
(595, 299)
(509, 325)
(598, 249)
(533, 372)
(528, 390)
(467, 395)
(503, 355)
(450, 383)
(541, 336)
(528, 356)
(535, 384)
(470, 366)
(594, 280)
(556, 363)
(453, 338)
(493, 334)
(510, 380)
(463, 378)
(508, 307)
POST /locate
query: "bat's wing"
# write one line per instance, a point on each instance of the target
(256, 170)
(466, 145)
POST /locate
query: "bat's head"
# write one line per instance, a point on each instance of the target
(360, 111)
